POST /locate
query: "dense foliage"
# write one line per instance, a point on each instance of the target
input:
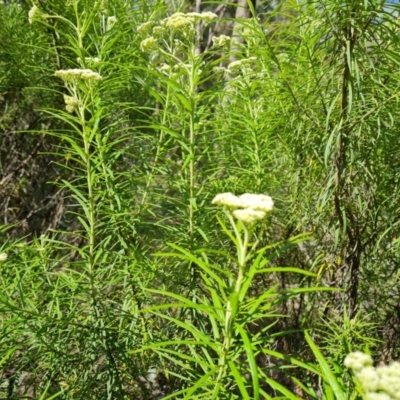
(123, 275)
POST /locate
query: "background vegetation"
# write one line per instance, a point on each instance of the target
(119, 278)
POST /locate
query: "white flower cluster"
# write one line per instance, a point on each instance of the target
(358, 360)
(179, 22)
(149, 44)
(208, 17)
(145, 28)
(3, 256)
(242, 66)
(177, 69)
(74, 75)
(89, 60)
(219, 70)
(35, 14)
(111, 21)
(159, 31)
(221, 41)
(71, 103)
(165, 68)
(246, 32)
(248, 208)
(282, 58)
(380, 383)
(186, 68)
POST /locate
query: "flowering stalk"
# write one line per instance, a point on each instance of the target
(248, 209)
(80, 83)
(174, 38)
(192, 144)
(233, 306)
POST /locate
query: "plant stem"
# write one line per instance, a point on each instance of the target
(192, 177)
(233, 305)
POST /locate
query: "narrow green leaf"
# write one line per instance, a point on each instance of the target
(252, 361)
(326, 372)
(239, 381)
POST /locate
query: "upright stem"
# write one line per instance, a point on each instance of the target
(233, 305)
(158, 151)
(192, 148)
(91, 203)
(351, 237)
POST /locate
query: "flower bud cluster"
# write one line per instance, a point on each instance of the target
(208, 17)
(149, 44)
(247, 208)
(111, 21)
(219, 70)
(242, 66)
(380, 383)
(282, 58)
(89, 60)
(71, 103)
(35, 14)
(178, 23)
(221, 41)
(159, 31)
(76, 74)
(165, 68)
(181, 21)
(145, 28)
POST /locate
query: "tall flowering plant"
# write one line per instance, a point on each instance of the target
(247, 209)
(216, 353)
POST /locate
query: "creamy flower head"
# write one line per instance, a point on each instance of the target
(185, 23)
(71, 103)
(165, 67)
(149, 44)
(248, 216)
(34, 14)
(358, 360)
(209, 16)
(259, 202)
(235, 65)
(281, 58)
(228, 200)
(89, 60)
(248, 208)
(145, 28)
(166, 70)
(221, 41)
(219, 70)
(381, 383)
(159, 31)
(390, 379)
(75, 74)
(3, 256)
(247, 32)
(179, 22)
(243, 66)
(369, 379)
(111, 21)
(377, 396)
(195, 16)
